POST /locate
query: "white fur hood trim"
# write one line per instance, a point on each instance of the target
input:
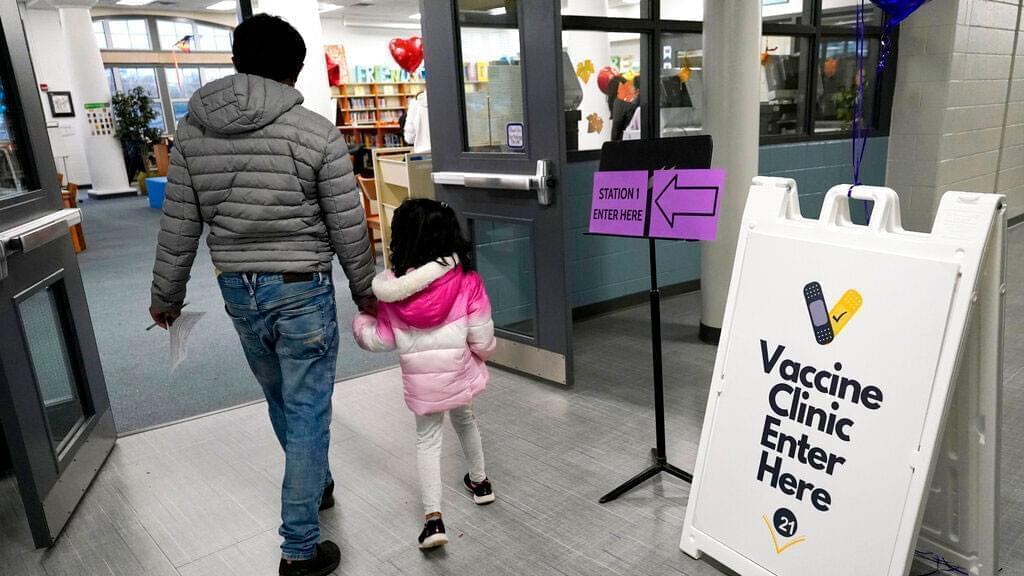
(389, 288)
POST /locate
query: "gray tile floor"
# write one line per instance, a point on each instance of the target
(201, 498)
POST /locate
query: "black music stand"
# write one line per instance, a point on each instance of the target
(687, 152)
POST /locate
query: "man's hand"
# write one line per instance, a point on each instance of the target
(164, 319)
(367, 305)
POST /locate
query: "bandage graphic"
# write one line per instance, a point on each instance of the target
(818, 311)
(841, 313)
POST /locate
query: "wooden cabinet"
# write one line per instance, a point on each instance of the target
(400, 174)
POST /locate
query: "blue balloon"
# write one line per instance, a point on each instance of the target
(898, 10)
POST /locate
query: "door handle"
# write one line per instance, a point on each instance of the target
(39, 232)
(542, 181)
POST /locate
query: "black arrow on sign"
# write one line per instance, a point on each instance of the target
(677, 205)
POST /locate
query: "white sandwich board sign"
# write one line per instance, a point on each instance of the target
(837, 364)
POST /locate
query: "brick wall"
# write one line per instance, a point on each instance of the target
(958, 111)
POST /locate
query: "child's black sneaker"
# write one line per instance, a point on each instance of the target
(433, 534)
(482, 492)
(327, 558)
(327, 500)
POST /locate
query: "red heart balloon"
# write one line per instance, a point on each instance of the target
(407, 52)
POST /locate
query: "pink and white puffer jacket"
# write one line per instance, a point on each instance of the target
(439, 319)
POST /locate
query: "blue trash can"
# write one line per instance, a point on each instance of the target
(155, 188)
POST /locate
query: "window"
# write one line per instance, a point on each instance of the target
(808, 68)
(604, 92)
(681, 85)
(171, 31)
(688, 10)
(100, 32)
(181, 83)
(204, 37)
(605, 8)
(212, 38)
(122, 33)
(491, 75)
(783, 85)
(127, 79)
(838, 81)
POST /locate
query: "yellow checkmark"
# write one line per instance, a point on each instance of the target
(844, 310)
(775, 541)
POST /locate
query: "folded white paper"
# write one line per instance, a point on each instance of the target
(179, 332)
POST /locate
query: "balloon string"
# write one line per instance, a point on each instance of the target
(859, 132)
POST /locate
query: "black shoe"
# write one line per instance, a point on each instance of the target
(482, 492)
(433, 534)
(327, 558)
(327, 500)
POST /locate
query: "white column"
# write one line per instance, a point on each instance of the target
(89, 85)
(304, 15)
(732, 38)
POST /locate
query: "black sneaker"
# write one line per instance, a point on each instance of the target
(327, 558)
(327, 500)
(482, 492)
(433, 534)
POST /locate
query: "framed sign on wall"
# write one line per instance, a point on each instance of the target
(61, 105)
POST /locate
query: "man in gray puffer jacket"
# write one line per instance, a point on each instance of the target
(274, 183)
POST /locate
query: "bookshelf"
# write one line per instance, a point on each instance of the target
(368, 112)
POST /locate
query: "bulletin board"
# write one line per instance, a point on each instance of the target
(835, 369)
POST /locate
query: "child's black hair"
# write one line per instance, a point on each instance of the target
(425, 230)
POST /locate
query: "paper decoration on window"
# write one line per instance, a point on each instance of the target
(627, 92)
(767, 53)
(101, 122)
(594, 123)
(829, 67)
(685, 71)
(584, 70)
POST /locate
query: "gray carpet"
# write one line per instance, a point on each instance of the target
(121, 238)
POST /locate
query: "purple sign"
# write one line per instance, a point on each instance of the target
(619, 205)
(686, 203)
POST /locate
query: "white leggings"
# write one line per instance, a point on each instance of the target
(428, 452)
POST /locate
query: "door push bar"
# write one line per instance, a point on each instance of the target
(38, 232)
(543, 181)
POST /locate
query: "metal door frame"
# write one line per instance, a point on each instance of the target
(51, 484)
(549, 353)
(44, 196)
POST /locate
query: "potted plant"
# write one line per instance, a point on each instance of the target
(134, 113)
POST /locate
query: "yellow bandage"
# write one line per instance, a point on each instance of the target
(841, 313)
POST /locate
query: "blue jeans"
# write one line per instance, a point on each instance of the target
(289, 332)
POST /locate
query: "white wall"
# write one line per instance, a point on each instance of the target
(49, 58)
(363, 46)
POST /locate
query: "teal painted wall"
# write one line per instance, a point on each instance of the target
(602, 268)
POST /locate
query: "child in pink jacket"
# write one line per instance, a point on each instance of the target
(433, 308)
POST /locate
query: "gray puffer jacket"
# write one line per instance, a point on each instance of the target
(274, 183)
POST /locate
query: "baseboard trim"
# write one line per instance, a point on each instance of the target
(709, 334)
(596, 309)
(1015, 220)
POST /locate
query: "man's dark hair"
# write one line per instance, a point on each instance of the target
(267, 46)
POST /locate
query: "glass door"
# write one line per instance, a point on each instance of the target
(497, 125)
(54, 412)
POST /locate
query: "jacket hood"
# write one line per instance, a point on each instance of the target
(241, 103)
(423, 297)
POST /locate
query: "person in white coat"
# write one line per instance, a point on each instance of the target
(417, 124)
